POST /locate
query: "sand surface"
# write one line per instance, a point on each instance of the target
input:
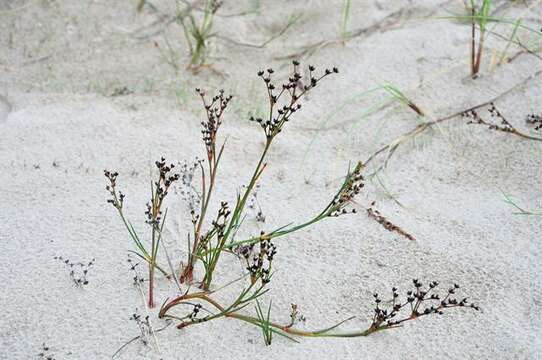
(60, 126)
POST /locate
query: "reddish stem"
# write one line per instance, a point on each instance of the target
(151, 286)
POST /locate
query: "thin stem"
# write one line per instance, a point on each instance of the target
(479, 53)
(473, 45)
(234, 222)
(144, 254)
(285, 329)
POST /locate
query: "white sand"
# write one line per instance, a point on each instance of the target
(59, 128)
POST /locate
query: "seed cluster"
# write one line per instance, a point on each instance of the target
(214, 111)
(534, 120)
(281, 108)
(259, 261)
(117, 198)
(497, 121)
(419, 302)
(46, 353)
(137, 280)
(254, 205)
(218, 226)
(186, 189)
(295, 316)
(350, 188)
(215, 5)
(220, 223)
(144, 326)
(78, 270)
(195, 311)
(161, 188)
(373, 213)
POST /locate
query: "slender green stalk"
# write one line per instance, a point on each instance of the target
(214, 112)
(401, 97)
(143, 254)
(521, 210)
(197, 35)
(509, 42)
(264, 323)
(488, 19)
(345, 16)
(481, 18)
(235, 219)
(334, 208)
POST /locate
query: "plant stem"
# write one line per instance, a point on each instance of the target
(153, 249)
(278, 328)
(213, 160)
(479, 54)
(234, 222)
(144, 253)
(151, 285)
(473, 45)
(276, 233)
(285, 230)
(188, 270)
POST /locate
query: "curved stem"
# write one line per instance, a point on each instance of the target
(284, 329)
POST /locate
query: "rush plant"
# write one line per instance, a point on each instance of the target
(213, 237)
(155, 217)
(283, 102)
(479, 15)
(388, 314)
(197, 32)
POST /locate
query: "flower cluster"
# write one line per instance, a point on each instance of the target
(295, 316)
(534, 120)
(46, 353)
(254, 205)
(166, 179)
(215, 5)
(350, 188)
(78, 270)
(373, 213)
(144, 327)
(259, 261)
(214, 111)
(284, 100)
(218, 225)
(161, 188)
(195, 311)
(419, 302)
(138, 280)
(117, 199)
(498, 122)
(186, 189)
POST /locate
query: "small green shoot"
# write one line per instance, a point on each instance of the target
(481, 16)
(265, 323)
(399, 96)
(479, 19)
(197, 34)
(345, 17)
(521, 211)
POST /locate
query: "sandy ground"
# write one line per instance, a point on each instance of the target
(60, 62)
